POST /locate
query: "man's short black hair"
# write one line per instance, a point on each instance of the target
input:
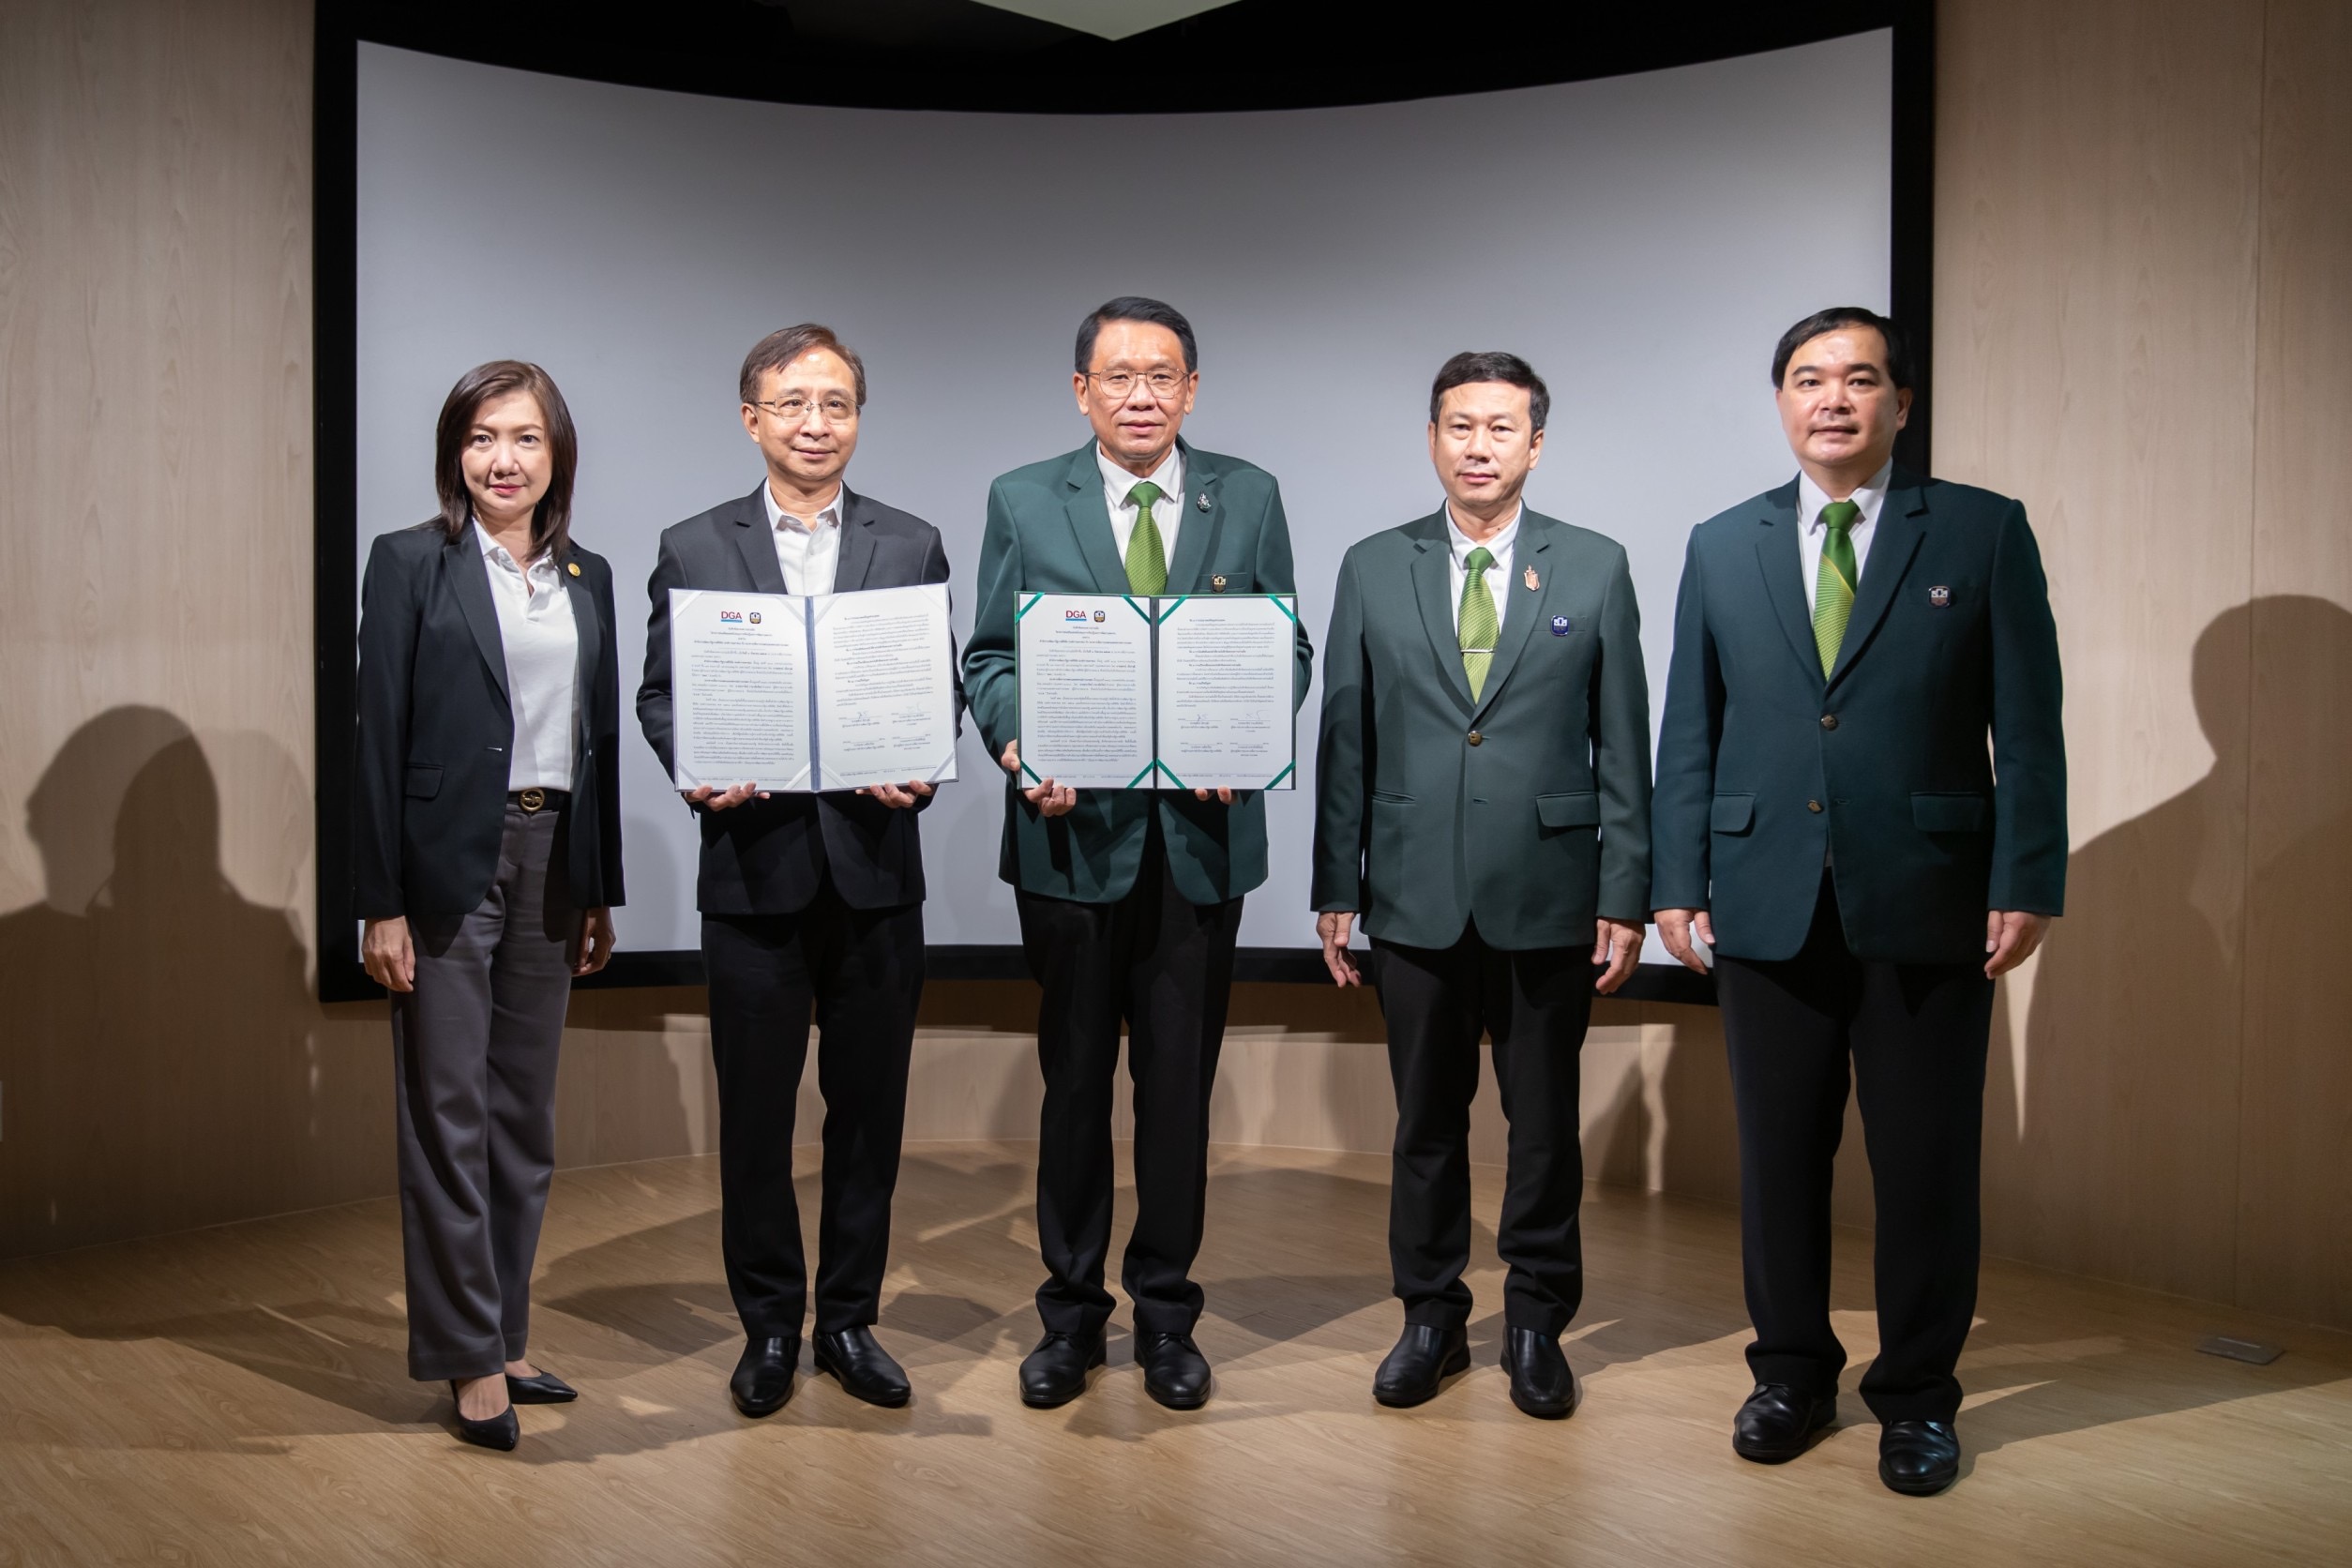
(1494, 365)
(1134, 307)
(1797, 336)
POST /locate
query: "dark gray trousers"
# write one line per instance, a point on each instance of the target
(474, 1046)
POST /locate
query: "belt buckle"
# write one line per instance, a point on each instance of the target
(533, 800)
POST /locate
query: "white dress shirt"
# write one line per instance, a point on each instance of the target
(542, 640)
(1812, 532)
(808, 549)
(1497, 575)
(1168, 511)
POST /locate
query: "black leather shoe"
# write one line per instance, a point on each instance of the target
(1175, 1372)
(1777, 1422)
(863, 1367)
(1919, 1458)
(762, 1382)
(542, 1387)
(1055, 1372)
(501, 1431)
(1424, 1359)
(1541, 1383)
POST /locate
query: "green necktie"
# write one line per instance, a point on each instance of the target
(1147, 558)
(1833, 584)
(1478, 623)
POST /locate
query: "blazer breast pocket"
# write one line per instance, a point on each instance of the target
(424, 780)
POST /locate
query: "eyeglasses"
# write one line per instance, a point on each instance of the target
(833, 411)
(1164, 385)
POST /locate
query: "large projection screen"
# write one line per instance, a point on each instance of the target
(1642, 239)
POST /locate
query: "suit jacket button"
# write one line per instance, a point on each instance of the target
(1812, 806)
(1828, 722)
(1475, 737)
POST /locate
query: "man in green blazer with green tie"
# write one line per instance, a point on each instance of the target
(1862, 808)
(1483, 802)
(1129, 900)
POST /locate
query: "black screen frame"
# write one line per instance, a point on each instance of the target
(1222, 70)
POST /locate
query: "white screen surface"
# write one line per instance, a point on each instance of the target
(1642, 240)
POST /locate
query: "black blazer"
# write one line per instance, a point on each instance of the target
(430, 794)
(770, 857)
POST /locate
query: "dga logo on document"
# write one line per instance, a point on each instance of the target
(1069, 615)
(730, 617)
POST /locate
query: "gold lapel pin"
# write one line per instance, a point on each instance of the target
(1216, 585)
(574, 569)
(1533, 581)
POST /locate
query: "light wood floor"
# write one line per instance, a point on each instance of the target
(237, 1397)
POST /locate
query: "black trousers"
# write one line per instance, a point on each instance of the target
(1916, 1034)
(1437, 1002)
(1166, 966)
(863, 971)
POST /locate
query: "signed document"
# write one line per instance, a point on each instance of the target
(829, 691)
(1226, 662)
(1180, 693)
(1085, 666)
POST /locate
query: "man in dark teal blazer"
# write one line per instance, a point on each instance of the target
(1831, 821)
(1130, 900)
(1483, 802)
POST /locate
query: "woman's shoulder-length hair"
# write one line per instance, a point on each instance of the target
(551, 519)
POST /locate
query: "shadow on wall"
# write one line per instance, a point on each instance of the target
(163, 1060)
(2185, 1070)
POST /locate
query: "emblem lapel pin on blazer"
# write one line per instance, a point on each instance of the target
(1559, 625)
(1216, 585)
(1940, 597)
(574, 569)
(1533, 581)
(1203, 501)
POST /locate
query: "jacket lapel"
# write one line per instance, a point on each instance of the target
(1535, 536)
(1902, 524)
(1783, 565)
(1090, 520)
(584, 605)
(469, 578)
(757, 541)
(1433, 589)
(1198, 530)
(857, 543)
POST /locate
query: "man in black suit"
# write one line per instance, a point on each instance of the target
(804, 898)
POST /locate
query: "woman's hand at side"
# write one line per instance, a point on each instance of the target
(385, 948)
(594, 950)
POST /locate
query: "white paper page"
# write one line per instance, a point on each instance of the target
(1085, 663)
(1227, 667)
(739, 688)
(885, 687)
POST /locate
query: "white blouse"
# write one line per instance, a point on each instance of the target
(534, 622)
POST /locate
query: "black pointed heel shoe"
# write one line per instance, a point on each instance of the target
(501, 1431)
(541, 1388)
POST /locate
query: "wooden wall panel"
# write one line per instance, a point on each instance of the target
(2295, 1185)
(2096, 216)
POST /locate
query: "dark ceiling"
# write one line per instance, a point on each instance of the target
(961, 54)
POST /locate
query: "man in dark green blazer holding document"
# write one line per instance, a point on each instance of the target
(1832, 822)
(1129, 900)
(1483, 802)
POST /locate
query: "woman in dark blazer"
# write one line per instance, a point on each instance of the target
(488, 825)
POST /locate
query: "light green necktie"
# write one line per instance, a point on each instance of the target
(1478, 623)
(1833, 584)
(1147, 558)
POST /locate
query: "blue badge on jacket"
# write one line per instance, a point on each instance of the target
(1559, 625)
